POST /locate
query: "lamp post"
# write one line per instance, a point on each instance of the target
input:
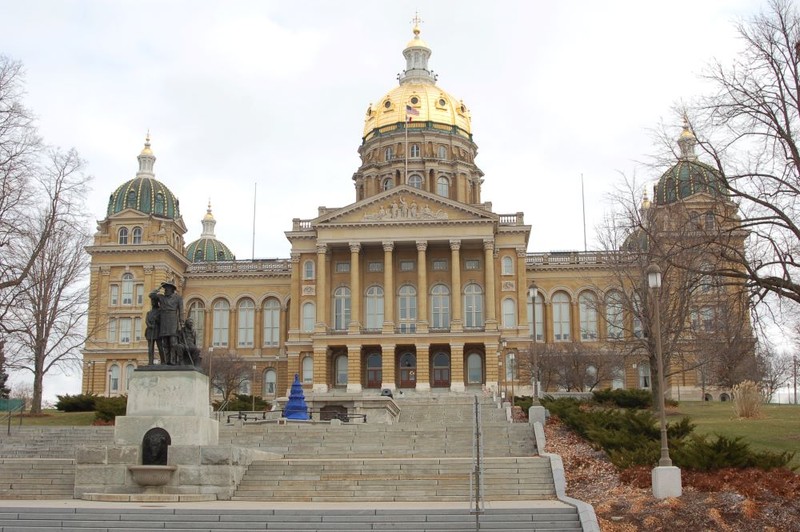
(253, 390)
(533, 292)
(210, 374)
(666, 478)
(512, 364)
(504, 362)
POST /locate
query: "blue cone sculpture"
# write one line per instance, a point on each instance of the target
(296, 408)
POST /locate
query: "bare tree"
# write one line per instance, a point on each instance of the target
(749, 127)
(228, 373)
(48, 313)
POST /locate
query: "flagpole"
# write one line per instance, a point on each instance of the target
(406, 172)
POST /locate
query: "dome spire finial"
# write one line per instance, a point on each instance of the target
(417, 54)
(417, 21)
(208, 222)
(146, 159)
(687, 140)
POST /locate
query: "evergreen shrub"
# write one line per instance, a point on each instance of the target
(84, 402)
(624, 398)
(108, 408)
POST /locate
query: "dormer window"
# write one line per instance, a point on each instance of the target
(131, 199)
(198, 254)
(123, 235)
(137, 235)
(159, 203)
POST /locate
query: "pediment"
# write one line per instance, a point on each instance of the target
(404, 204)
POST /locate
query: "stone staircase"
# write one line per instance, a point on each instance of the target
(51, 442)
(27, 478)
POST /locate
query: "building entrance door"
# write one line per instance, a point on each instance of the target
(408, 370)
(441, 370)
(374, 372)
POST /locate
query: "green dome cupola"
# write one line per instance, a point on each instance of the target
(207, 248)
(144, 193)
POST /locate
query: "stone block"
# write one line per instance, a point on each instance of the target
(168, 393)
(183, 430)
(123, 454)
(91, 455)
(536, 414)
(189, 475)
(218, 455)
(666, 482)
(183, 455)
(86, 475)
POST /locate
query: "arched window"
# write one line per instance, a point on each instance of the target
(507, 265)
(309, 316)
(123, 235)
(159, 203)
(222, 314)
(389, 154)
(198, 255)
(270, 381)
(246, 386)
(407, 308)
(374, 370)
(388, 183)
(509, 313)
(473, 306)
(441, 152)
(340, 366)
(415, 181)
(443, 186)
(308, 370)
(440, 307)
(131, 199)
(341, 308)
(272, 321)
(197, 313)
(587, 308)
(474, 369)
(536, 318)
(127, 289)
(374, 307)
(638, 329)
(246, 323)
(137, 235)
(441, 370)
(561, 318)
(113, 378)
(414, 151)
(129, 369)
(308, 269)
(614, 316)
(711, 223)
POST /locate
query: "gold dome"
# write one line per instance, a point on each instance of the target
(432, 103)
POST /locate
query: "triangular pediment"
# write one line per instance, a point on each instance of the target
(404, 204)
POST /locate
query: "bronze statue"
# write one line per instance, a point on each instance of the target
(170, 315)
(151, 332)
(190, 349)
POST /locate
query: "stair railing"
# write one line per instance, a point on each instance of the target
(10, 413)
(476, 487)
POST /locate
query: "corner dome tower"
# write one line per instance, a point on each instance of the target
(144, 193)
(688, 176)
(207, 248)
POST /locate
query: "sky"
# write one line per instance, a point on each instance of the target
(268, 98)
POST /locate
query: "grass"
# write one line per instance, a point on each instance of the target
(777, 430)
(54, 418)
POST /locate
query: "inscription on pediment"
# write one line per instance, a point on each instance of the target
(402, 209)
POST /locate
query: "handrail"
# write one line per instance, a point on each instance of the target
(10, 413)
(221, 409)
(476, 488)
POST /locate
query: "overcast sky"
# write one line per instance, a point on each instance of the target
(236, 93)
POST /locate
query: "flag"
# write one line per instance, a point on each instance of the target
(410, 111)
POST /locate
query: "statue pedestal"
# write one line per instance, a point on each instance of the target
(172, 398)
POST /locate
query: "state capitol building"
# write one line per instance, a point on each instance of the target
(415, 286)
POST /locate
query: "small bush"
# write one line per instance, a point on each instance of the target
(524, 402)
(747, 400)
(108, 408)
(702, 453)
(84, 402)
(624, 398)
(244, 403)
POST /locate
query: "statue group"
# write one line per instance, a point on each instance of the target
(175, 339)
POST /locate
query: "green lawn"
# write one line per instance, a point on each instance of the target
(778, 428)
(55, 418)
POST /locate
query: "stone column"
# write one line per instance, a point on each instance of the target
(322, 292)
(456, 324)
(388, 366)
(258, 329)
(354, 326)
(489, 281)
(457, 368)
(522, 292)
(547, 322)
(321, 376)
(422, 291)
(354, 368)
(491, 362)
(574, 321)
(423, 368)
(294, 317)
(388, 287)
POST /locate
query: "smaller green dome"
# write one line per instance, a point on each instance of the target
(688, 176)
(144, 193)
(207, 248)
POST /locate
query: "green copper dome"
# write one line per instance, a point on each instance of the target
(688, 176)
(144, 193)
(207, 248)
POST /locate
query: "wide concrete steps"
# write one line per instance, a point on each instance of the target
(37, 478)
(380, 441)
(394, 480)
(51, 442)
(553, 517)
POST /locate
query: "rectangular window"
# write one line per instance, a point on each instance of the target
(342, 267)
(472, 264)
(137, 329)
(125, 330)
(114, 295)
(375, 266)
(112, 330)
(407, 265)
(139, 294)
(439, 265)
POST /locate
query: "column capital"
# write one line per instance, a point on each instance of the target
(322, 248)
(488, 244)
(455, 245)
(294, 257)
(355, 247)
(521, 252)
(422, 245)
(388, 245)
